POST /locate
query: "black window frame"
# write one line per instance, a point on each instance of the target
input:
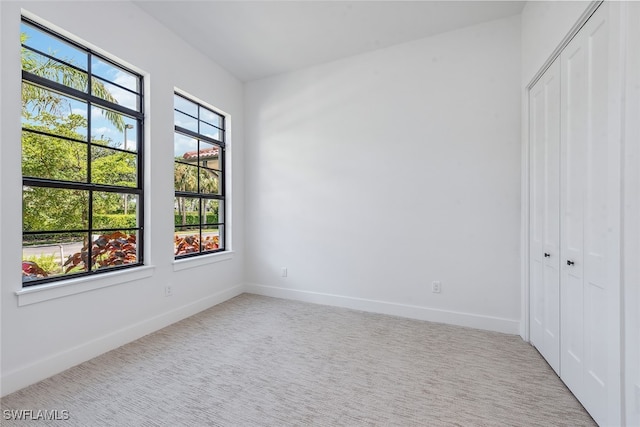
(221, 195)
(91, 100)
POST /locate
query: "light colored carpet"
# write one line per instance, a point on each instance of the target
(258, 361)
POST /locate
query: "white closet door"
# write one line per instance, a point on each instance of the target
(585, 209)
(544, 100)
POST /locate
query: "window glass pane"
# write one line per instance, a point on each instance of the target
(114, 74)
(50, 209)
(222, 243)
(186, 240)
(113, 129)
(211, 211)
(210, 131)
(53, 70)
(113, 167)
(115, 94)
(36, 39)
(209, 181)
(48, 111)
(210, 117)
(45, 255)
(186, 211)
(114, 210)
(185, 106)
(185, 149)
(221, 240)
(113, 249)
(185, 177)
(185, 121)
(210, 238)
(209, 155)
(187, 228)
(45, 156)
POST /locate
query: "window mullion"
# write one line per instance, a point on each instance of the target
(196, 135)
(78, 94)
(51, 183)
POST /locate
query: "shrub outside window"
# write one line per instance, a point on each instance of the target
(82, 160)
(199, 159)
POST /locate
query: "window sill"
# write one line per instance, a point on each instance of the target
(49, 291)
(187, 263)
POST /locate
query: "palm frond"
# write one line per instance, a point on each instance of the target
(40, 99)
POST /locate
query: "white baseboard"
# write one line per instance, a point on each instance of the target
(476, 321)
(49, 366)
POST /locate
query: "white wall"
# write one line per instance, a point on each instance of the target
(41, 339)
(371, 177)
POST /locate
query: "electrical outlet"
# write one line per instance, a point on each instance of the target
(284, 271)
(168, 291)
(436, 287)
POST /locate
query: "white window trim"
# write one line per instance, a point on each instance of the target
(48, 291)
(197, 261)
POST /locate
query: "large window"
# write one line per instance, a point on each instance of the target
(199, 205)
(82, 158)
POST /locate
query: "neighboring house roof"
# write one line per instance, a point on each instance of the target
(207, 153)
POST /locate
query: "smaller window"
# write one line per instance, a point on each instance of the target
(199, 184)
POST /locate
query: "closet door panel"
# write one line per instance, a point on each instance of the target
(585, 213)
(596, 217)
(544, 238)
(574, 114)
(574, 131)
(552, 219)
